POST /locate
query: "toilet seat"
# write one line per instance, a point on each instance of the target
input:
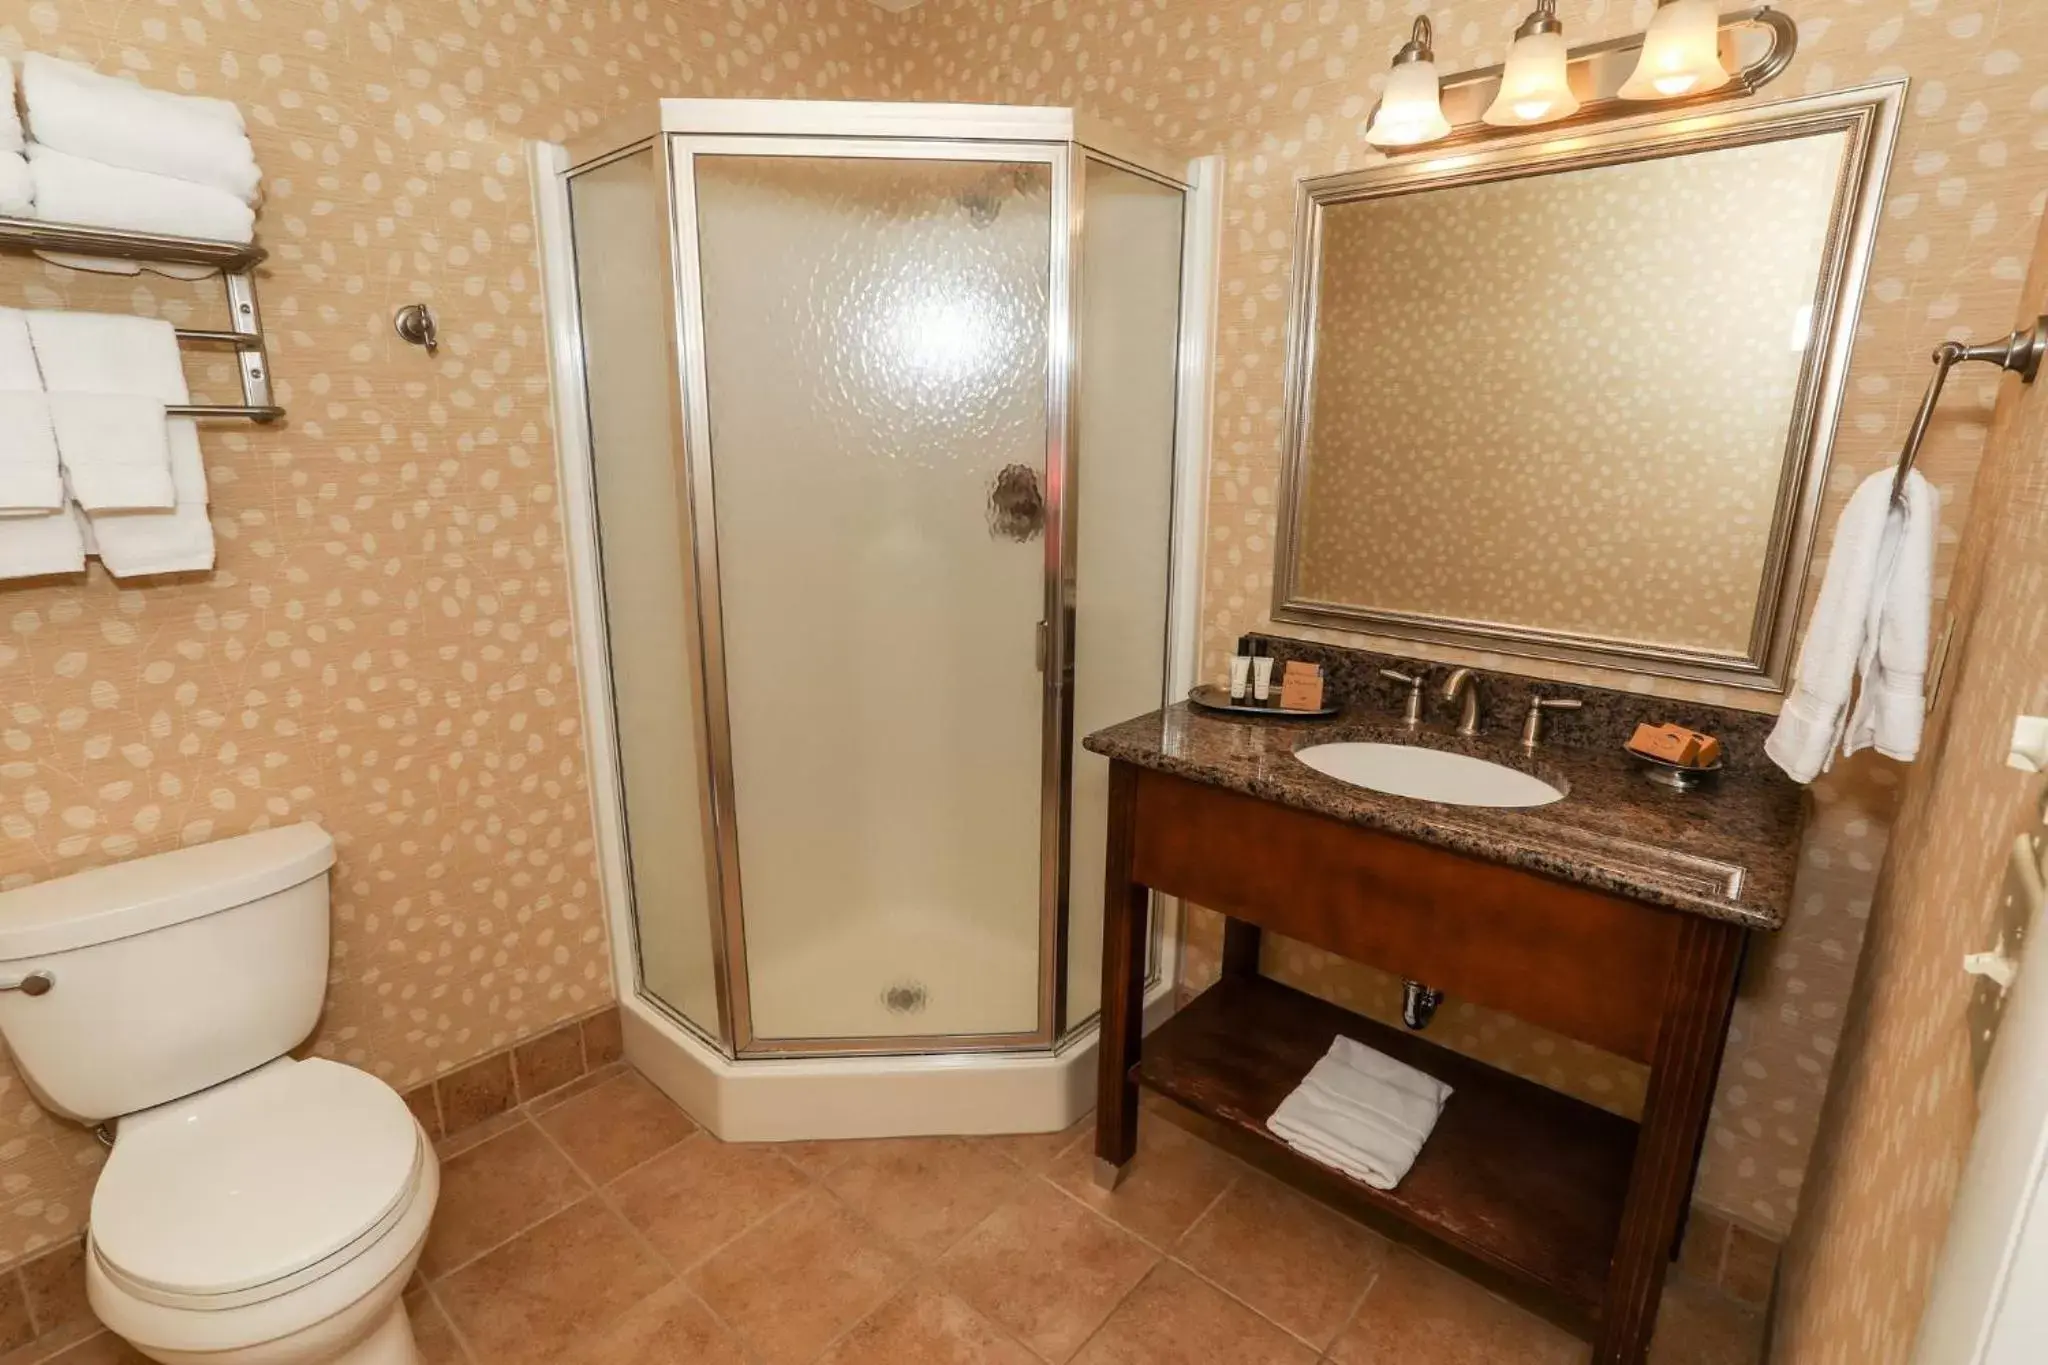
(205, 1203)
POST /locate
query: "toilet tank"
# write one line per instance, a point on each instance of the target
(167, 974)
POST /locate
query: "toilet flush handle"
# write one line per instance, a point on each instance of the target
(35, 983)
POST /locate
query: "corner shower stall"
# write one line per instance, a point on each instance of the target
(879, 428)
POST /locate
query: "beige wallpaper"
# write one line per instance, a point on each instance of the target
(1900, 1117)
(385, 645)
(1282, 91)
(1539, 401)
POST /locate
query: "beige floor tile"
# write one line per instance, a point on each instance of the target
(700, 1194)
(816, 1159)
(1047, 1269)
(926, 1325)
(799, 1279)
(493, 1190)
(1037, 1151)
(1175, 1319)
(671, 1328)
(1419, 1312)
(1171, 1182)
(1699, 1325)
(611, 1128)
(548, 1290)
(1287, 1256)
(432, 1334)
(924, 1194)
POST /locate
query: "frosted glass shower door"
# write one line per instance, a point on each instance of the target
(875, 352)
(1122, 511)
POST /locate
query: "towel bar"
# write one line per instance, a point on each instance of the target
(237, 262)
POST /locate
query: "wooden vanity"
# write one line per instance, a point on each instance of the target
(1575, 1203)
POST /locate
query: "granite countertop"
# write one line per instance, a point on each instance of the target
(1728, 851)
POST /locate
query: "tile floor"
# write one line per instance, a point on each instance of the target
(599, 1226)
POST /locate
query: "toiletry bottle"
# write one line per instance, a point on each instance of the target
(1241, 669)
(1262, 673)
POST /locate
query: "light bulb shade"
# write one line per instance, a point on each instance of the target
(1411, 110)
(1681, 54)
(1533, 88)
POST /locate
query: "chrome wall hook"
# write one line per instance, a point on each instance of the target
(415, 324)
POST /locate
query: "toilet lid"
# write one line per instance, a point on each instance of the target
(286, 1169)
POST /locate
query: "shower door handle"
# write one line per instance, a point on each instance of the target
(1044, 646)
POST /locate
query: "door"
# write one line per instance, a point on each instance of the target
(872, 449)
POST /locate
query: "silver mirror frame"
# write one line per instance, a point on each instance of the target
(1868, 116)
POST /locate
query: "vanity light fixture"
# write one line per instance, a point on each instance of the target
(1411, 109)
(1681, 53)
(1533, 85)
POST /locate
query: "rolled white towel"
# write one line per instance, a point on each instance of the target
(70, 189)
(10, 116)
(119, 123)
(17, 187)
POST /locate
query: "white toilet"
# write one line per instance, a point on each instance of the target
(255, 1210)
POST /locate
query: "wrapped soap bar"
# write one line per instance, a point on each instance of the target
(1676, 744)
(1301, 686)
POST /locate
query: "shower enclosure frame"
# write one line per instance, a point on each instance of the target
(678, 132)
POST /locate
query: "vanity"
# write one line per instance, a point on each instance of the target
(1616, 915)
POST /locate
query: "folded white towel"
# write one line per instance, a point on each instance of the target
(177, 541)
(1363, 1112)
(75, 109)
(1891, 672)
(121, 265)
(71, 189)
(18, 368)
(17, 186)
(80, 352)
(109, 377)
(115, 449)
(10, 116)
(1874, 541)
(29, 477)
(50, 542)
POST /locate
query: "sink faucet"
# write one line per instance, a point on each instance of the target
(1461, 680)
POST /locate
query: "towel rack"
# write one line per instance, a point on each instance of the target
(2020, 353)
(236, 261)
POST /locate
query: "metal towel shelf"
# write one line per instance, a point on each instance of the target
(236, 261)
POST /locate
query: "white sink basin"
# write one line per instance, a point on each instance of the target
(1429, 775)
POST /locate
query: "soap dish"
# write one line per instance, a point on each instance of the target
(1683, 777)
(1209, 697)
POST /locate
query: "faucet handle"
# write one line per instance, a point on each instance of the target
(1532, 724)
(1411, 715)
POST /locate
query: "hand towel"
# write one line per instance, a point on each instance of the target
(177, 541)
(70, 189)
(10, 116)
(109, 377)
(79, 352)
(17, 186)
(1363, 1112)
(1891, 672)
(121, 265)
(29, 477)
(115, 450)
(76, 110)
(48, 543)
(1814, 719)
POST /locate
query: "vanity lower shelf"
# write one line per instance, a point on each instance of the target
(1524, 1179)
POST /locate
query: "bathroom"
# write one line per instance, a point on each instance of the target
(680, 1132)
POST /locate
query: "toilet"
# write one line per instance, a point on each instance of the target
(255, 1209)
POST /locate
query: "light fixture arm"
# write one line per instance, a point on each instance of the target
(1421, 44)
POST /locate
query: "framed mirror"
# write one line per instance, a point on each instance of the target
(1571, 395)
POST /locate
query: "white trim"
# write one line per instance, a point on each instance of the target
(546, 163)
(927, 1095)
